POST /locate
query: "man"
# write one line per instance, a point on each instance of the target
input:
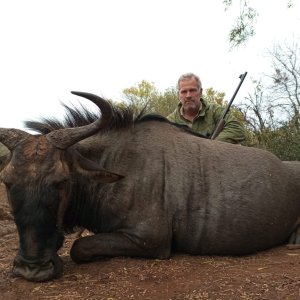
(201, 115)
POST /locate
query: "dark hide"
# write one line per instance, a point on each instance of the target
(147, 188)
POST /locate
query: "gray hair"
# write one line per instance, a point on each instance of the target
(188, 76)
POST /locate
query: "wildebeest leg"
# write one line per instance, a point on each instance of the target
(115, 244)
(294, 241)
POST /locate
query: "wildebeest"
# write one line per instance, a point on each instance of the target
(145, 187)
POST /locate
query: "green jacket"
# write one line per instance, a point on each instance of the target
(206, 120)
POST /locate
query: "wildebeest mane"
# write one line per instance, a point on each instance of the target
(80, 116)
(123, 117)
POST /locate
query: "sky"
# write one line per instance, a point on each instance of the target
(50, 48)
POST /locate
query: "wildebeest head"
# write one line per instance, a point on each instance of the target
(36, 173)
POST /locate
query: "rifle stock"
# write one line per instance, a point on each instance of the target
(221, 123)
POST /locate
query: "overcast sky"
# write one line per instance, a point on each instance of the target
(49, 48)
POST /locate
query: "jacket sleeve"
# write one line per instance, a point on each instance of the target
(233, 131)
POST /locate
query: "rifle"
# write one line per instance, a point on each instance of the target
(220, 125)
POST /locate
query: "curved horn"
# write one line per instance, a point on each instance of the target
(10, 137)
(64, 138)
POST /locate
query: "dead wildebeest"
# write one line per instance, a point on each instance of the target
(145, 187)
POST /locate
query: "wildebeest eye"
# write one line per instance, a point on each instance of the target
(57, 180)
(7, 184)
(59, 184)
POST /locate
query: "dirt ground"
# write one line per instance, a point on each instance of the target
(272, 274)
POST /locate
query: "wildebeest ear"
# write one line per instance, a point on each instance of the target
(92, 170)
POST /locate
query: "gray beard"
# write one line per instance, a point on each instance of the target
(190, 109)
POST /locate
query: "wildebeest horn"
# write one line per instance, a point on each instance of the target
(64, 138)
(10, 137)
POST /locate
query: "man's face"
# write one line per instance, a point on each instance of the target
(189, 95)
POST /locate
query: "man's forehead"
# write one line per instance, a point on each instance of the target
(188, 83)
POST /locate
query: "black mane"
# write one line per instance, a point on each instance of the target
(123, 117)
(80, 116)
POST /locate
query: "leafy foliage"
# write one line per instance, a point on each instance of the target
(243, 27)
(285, 142)
(272, 111)
(166, 102)
(244, 24)
(214, 96)
(146, 96)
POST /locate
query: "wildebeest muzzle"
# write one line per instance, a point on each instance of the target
(38, 271)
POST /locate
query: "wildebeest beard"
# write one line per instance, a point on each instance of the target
(39, 236)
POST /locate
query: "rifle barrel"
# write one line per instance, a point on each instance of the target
(219, 126)
(242, 77)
